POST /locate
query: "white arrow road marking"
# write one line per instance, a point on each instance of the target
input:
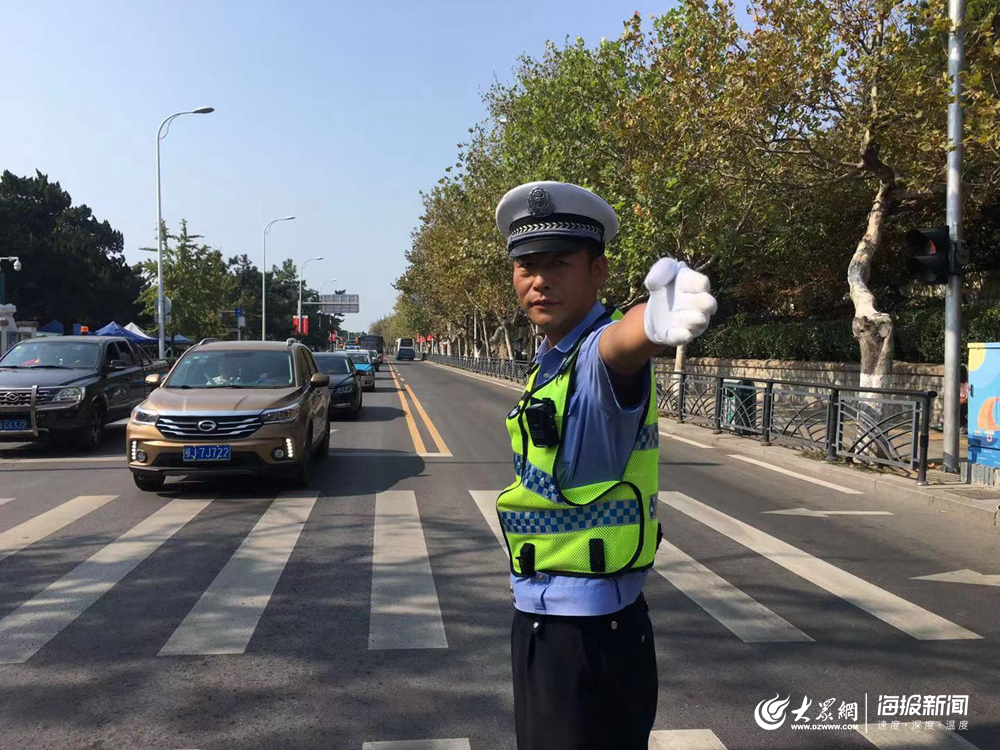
(826, 513)
(803, 477)
(894, 610)
(963, 576)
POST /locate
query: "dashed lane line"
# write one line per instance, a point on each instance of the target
(685, 440)
(684, 739)
(803, 477)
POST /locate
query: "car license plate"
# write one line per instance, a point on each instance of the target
(207, 453)
(13, 425)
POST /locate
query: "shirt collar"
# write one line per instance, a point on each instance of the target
(568, 341)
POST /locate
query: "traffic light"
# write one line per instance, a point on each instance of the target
(930, 255)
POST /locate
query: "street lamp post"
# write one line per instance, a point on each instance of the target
(328, 281)
(16, 262)
(302, 270)
(160, 135)
(263, 278)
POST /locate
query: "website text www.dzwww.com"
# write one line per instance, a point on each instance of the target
(848, 727)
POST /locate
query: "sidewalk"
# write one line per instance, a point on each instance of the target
(947, 493)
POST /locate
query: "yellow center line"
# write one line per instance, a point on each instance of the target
(438, 441)
(418, 443)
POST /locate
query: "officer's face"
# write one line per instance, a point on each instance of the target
(557, 290)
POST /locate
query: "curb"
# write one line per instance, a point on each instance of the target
(981, 512)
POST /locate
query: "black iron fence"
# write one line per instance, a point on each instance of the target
(508, 369)
(876, 425)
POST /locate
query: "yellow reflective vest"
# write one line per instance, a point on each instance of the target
(600, 529)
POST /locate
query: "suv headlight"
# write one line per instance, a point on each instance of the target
(69, 395)
(287, 414)
(143, 416)
(344, 389)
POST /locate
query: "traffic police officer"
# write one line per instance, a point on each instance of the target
(580, 519)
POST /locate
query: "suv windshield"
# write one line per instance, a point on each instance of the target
(222, 368)
(360, 358)
(332, 365)
(74, 355)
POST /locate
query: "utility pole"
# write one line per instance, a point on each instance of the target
(953, 292)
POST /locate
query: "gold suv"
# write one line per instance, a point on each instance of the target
(228, 407)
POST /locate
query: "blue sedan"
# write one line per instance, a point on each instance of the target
(363, 363)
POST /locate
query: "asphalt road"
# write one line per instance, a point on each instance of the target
(373, 609)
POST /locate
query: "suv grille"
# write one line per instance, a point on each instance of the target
(217, 427)
(15, 397)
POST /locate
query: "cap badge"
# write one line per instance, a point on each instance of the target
(540, 202)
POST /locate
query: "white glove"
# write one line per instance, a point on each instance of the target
(679, 303)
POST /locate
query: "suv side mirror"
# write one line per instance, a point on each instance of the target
(319, 380)
(116, 364)
(153, 381)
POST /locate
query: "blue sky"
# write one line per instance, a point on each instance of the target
(337, 113)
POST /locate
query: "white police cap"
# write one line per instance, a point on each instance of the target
(540, 217)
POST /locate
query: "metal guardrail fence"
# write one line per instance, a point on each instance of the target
(508, 369)
(876, 425)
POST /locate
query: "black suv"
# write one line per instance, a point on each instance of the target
(70, 387)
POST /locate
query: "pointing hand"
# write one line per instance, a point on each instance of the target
(679, 305)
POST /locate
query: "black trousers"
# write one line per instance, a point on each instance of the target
(584, 683)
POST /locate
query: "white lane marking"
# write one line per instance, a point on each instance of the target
(803, 477)
(825, 513)
(15, 539)
(907, 738)
(519, 389)
(462, 744)
(963, 576)
(434, 455)
(894, 610)
(747, 618)
(685, 440)
(5, 500)
(224, 618)
(405, 612)
(684, 739)
(66, 460)
(486, 500)
(42, 618)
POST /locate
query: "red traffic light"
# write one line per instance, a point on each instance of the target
(930, 255)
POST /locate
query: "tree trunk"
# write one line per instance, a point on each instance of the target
(486, 336)
(680, 358)
(872, 329)
(506, 338)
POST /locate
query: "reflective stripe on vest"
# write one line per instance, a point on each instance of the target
(599, 529)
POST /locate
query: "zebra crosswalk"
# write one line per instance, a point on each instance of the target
(404, 608)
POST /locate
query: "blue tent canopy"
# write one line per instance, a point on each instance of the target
(53, 326)
(113, 329)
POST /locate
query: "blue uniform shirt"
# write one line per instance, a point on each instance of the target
(597, 441)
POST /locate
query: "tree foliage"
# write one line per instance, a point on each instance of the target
(73, 265)
(786, 159)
